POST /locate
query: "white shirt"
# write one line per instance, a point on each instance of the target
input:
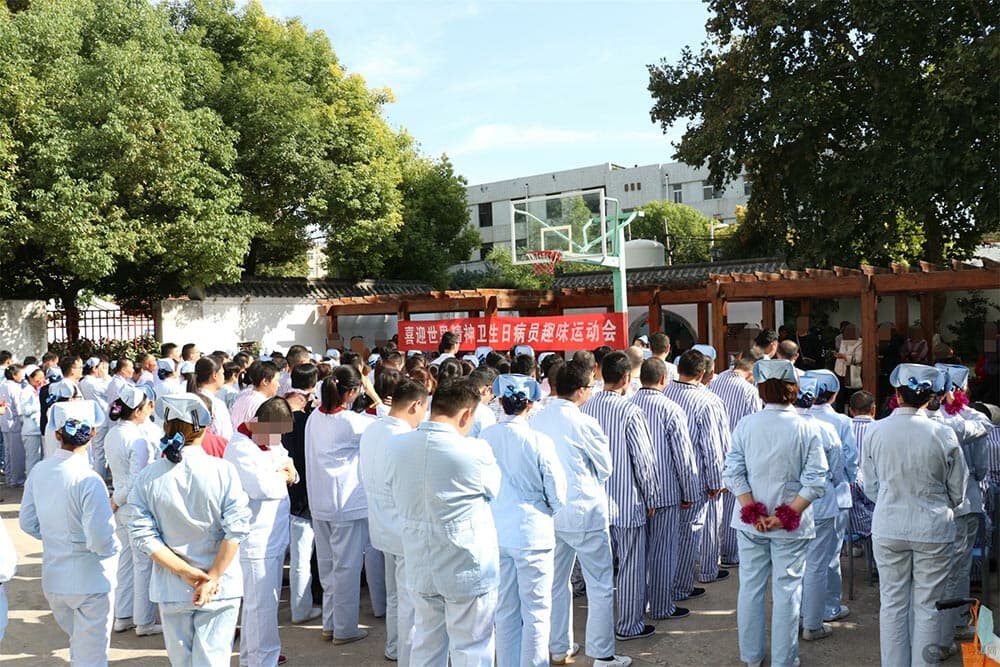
(115, 387)
(30, 407)
(332, 455)
(268, 492)
(385, 526)
(129, 451)
(65, 505)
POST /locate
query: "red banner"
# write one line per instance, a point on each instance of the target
(556, 334)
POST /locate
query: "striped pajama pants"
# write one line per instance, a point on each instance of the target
(628, 544)
(708, 547)
(692, 523)
(661, 563)
(730, 549)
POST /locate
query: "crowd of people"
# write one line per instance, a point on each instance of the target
(475, 492)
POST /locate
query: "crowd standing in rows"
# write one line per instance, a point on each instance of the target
(477, 492)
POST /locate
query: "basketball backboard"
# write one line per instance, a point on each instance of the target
(571, 223)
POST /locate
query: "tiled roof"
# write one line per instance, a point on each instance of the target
(678, 276)
(303, 288)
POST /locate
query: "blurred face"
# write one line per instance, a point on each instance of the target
(269, 433)
(125, 369)
(76, 372)
(37, 379)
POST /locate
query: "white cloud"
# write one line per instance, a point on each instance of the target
(496, 136)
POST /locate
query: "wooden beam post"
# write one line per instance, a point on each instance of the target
(902, 313)
(805, 307)
(927, 319)
(490, 308)
(703, 321)
(869, 340)
(719, 327)
(767, 317)
(655, 317)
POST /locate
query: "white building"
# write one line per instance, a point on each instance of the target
(490, 210)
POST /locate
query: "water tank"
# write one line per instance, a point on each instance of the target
(642, 253)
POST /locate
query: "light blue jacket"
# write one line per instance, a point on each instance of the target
(532, 486)
(776, 455)
(970, 427)
(66, 506)
(585, 457)
(915, 473)
(385, 526)
(827, 507)
(443, 484)
(189, 507)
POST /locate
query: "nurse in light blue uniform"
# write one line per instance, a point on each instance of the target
(825, 513)
(827, 386)
(190, 515)
(532, 489)
(776, 468)
(66, 505)
(915, 473)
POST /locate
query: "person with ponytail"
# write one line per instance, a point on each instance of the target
(338, 503)
(190, 514)
(130, 448)
(65, 505)
(915, 473)
(207, 380)
(532, 489)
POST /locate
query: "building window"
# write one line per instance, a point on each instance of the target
(747, 187)
(486, 215)
(485, 250)
(709, 191)
(678, 193)
(638, 186)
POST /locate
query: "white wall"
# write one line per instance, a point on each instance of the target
(23, 328)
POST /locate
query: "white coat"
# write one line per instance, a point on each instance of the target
(268, 493)
(332, 453)
(385, 526)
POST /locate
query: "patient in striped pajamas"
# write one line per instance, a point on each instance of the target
(678, 472)
(862, 410)
(739, 394)
(633, 491)
(708, 427)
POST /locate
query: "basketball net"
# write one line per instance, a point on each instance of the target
(547, 260)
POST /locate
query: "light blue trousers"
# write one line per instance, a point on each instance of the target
(32, 451)
(199, 636)
(784, 561)
(593, 549)
(814, 584)
(460, 628)
(260, 644)
(957, 583)
(399, 611)
(340, 550)
(87, 619)
(300, 532)
(524, 607)
(912, 578)
(834, 580)
(125, 591)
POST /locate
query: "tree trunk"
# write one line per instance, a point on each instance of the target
(69, 304)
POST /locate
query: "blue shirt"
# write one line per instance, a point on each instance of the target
(827, 507)
(189, 507)
(532, 485)
(66, 506)
(385, 526)
(776, 455)
(585, 457)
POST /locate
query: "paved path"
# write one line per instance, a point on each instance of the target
(707, 637)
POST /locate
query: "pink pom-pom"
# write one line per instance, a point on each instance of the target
(750, 513)
(893, 402)
(788, 517)
(960, 401)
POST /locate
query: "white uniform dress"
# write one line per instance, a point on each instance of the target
(915, 472)
(532, 489)
(449, 542)
(129, 450)
(66, 506)
(385, 527)
(262, 553)
(581, 527)
(31, 431)
(775, 455)
(191, 507)
(339, 509)
(95, 389)
(10, 428)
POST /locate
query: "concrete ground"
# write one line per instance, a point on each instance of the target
(707, 637)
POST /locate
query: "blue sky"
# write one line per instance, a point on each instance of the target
(514, 88)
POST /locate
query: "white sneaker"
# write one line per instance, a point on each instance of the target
(123, 624)
(147, 630)
(561, 658)
(617, 661)
(314, 613)
(821, 632)
(841, 613)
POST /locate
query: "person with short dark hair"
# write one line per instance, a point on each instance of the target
(169, 351)
(677, 469)
(449, 538)
(766, 343)
(910, 462)
(263, 377)
(229, 390)
(861, 408)
(659, 346)
(634, 491)
(266, 471)
(190, 352)
(447, 347)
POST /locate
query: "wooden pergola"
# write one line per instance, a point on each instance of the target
(712, 296)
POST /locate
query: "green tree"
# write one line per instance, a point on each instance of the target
(436, 227)
(688, 228)
(314, 153)
(115, 179)
(853, 120)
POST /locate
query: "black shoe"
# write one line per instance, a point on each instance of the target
(725, 564)
(722, 576)
(646, 631)
(696, 592)
(680, 612)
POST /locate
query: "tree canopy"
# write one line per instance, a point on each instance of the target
(862, 126)
(688, 228)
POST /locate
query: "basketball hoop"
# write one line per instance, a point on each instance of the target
(546, 260)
